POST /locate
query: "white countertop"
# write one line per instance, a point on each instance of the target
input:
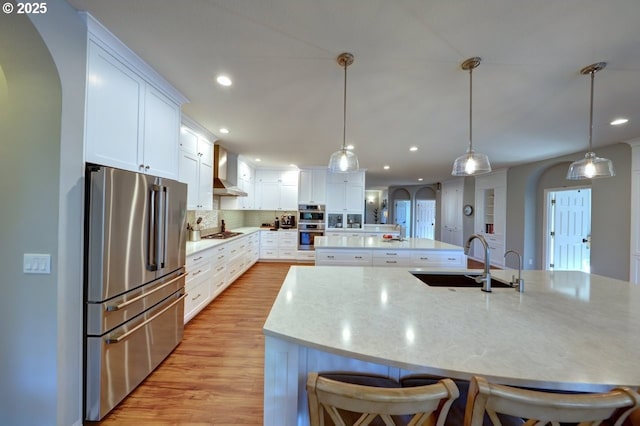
(568, 330)
(203, 244)
(367, 228)
(335, 242)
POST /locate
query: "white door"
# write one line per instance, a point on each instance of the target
(425, 219)
(569, 230)
(402, 216)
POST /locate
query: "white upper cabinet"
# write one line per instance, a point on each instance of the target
(161, 135)
(113, 112)
(132, 113)
(345, 192)
(196, 169)
(276, 190)
(312, 188)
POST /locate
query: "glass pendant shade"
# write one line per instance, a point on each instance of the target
(470, 164)
(343, 161)
(590, 167)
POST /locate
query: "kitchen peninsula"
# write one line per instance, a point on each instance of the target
(376, 251)
(567, 331)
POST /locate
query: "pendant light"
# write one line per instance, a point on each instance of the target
(591, 166)
(471, 163)
(343, 160)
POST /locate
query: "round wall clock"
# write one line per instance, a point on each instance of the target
(467, 210)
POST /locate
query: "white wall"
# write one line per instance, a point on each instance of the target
(41, 124)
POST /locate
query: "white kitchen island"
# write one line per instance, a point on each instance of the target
(567, 331)
(376, 251)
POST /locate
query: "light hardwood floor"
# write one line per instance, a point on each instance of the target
(215, 375)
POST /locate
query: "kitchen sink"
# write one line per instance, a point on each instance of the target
(455, 280)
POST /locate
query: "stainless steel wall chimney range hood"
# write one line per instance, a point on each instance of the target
(224, 163)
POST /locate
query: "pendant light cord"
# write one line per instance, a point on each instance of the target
(344, 109)
(470, 111)
(593, 74)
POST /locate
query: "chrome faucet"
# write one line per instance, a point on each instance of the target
(485, 278)
(519, 284)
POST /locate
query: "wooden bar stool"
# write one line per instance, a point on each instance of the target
(541, 407)
(346, 404)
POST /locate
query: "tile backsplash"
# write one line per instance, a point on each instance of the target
(232, 218)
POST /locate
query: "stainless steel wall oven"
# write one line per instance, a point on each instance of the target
(311, 223)
(307, 233)
(311, 213)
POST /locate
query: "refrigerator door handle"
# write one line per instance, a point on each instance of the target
(152, 263)
(110, 341)
(111, 308)
(157, 225)
(163, 213)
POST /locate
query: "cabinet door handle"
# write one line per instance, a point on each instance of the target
(391, 254)
(196, 298)
(196, 273)
(330, 257)
(358, 257)
(197, 258)
(424, 258)
(392, 261)
(451, 258)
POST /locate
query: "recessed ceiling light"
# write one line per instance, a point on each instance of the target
(413, 148)
(349, 147)
(223, 80)
(420, 179)
(224, 130)
(386, 167)
(292, 165)
(619, 121)
(258, 160)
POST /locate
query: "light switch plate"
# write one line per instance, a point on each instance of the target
(36, 263)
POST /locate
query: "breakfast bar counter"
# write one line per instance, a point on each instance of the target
(566, 331)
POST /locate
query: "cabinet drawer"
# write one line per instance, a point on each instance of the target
(390, 261)
(197, 296)
(439, 259)
(269, 241)
(269, 253)
(288, 243)
(194, 260)
(392, 254)
(350, 257)
(287, 253)
(200, 269)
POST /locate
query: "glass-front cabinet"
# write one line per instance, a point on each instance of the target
(344, 220)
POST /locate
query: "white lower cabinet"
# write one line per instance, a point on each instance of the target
(392, 258)
(306, 256)
(197, 283)
(212, 270)
(400, 258)
(280, 245)
(430, 259)
(343, 257)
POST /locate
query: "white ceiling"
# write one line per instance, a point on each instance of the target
(405, 87)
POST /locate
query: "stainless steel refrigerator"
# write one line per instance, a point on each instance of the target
(135, 235)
